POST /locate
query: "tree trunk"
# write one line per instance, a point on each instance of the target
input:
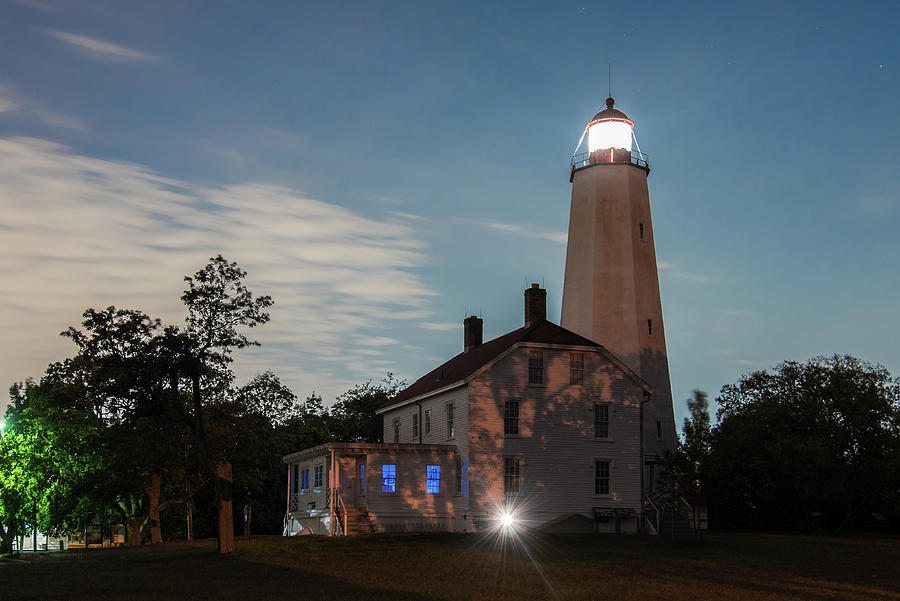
(134, 530)
(5, 539)
(226, 517)
(221, 472)
(190, 520)
(153, 496)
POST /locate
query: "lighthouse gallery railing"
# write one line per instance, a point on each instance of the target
(583, 159)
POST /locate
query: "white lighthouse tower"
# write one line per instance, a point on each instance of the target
(611, 290)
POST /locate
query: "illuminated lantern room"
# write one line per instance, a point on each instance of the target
(610, 129)
(610, 140)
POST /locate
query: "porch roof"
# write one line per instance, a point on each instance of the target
(366, 447)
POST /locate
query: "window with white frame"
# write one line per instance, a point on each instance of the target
(450, 431)
(511, 417)
(601, 477)
(601, 420)
(576, 369)
(397, 429)
(317, 476)
(388, 478)
(433, 479)
(427, 422)
(415, 422)
(535, 367)
(511, 475)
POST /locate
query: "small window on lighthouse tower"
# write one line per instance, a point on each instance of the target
(642, 230)
(650, 327)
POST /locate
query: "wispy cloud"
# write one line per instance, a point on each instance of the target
(443, 326)
(671, 271)
(80, 232)
(503, 227)
(14, 103)
(748, 363)
(35, 4)
(526, 231)
(101, 49)
(408, 216)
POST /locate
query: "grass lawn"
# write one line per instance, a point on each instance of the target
(420, 567)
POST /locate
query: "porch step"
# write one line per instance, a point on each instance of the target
(360, 522)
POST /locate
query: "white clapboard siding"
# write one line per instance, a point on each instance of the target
(556, 444)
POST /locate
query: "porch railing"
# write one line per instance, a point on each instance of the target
(339, 511)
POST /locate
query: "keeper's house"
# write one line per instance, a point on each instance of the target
(540, 423)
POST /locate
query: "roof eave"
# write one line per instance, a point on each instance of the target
(424, 395)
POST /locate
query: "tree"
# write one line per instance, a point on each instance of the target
(126, 373)
(45, 454)
(696, 428)
(808, 445)
(268, 398)
(354, 411)
(218, 305)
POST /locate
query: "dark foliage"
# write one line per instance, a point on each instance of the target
(806, 446)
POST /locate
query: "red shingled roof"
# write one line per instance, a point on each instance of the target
(464, 365)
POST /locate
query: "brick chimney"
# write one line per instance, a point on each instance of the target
(473, 329)
(535, 304)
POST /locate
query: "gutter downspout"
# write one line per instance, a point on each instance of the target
(287, 509)
(331, 495)
(646, 399)
(420, 420)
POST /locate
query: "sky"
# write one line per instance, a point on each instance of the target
(383, 169)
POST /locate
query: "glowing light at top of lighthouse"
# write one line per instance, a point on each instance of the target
(610, 133)
(610, 128)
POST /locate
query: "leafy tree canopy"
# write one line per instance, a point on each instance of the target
(810, 445)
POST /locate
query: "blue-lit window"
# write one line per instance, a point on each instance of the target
(362, 479)
(433, 479)
(304, 479)
(462, 477)
(388, 478)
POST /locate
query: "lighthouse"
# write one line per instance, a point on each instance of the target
(611, 290)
